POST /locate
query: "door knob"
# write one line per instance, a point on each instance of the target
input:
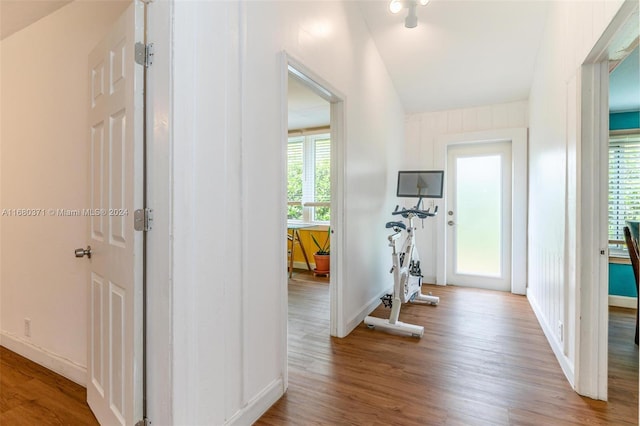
(80, 252)
(451, 223)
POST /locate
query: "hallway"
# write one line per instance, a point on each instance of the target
(483, 360)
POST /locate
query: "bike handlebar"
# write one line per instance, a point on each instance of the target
(422, 214)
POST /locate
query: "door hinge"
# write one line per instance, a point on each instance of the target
(603, 252)
(144, 54)
(143, 219)
(144, 422)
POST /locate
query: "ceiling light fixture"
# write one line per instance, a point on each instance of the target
(411, 21)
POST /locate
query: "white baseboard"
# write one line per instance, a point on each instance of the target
(565, 363)
(429, 279)
(365, 310)
(54, 362)
(623, 301)
(258, 405)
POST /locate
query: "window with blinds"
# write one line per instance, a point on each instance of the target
(295, 151)
(322, 180)
(624, 187)
(309, 178)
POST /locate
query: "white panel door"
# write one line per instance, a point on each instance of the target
(479, 215)
(114, 365)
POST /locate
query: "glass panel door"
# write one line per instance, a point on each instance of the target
(479, 215)
(479, 197)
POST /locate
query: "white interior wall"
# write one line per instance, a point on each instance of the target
(207, 234)
(571, 32)
(328, 50)
(45, 92)
(423, 132)
(229, 255)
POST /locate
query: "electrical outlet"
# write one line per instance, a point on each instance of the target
(27, 327)
(560, 331)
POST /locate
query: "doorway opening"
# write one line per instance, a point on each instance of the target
(623, 206)
(314, 114)
(592, 307)
(308, 181)
(478, 145)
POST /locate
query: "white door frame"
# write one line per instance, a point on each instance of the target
(159, 116)
(326, 91)
(518, 139)
(591, 313)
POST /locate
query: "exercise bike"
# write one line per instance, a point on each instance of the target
(407, 275)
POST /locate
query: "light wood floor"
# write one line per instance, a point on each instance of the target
(32, 395)
(483, 360)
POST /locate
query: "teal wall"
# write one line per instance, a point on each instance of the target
(621, 279)
(624, 120)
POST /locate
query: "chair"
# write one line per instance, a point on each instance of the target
(290, 255)
(632, 246)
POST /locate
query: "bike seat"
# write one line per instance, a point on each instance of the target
(395, 225)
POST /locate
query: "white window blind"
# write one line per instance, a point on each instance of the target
(624, 185)
(295, 151)
(322, 180)
(309, 181)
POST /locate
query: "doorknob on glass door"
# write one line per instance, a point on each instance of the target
(80, 252)
(451, 223)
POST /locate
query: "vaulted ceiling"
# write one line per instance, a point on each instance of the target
(462, 53)
(18, 14)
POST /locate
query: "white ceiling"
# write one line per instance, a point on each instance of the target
(18, 14)
(462, 53)
(306, 109)
(624, 84)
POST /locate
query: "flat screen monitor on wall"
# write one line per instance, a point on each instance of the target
(420, 184)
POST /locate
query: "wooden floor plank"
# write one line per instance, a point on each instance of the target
(483, 360)
(33, 395)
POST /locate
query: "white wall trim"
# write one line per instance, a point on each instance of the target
(338, 264)
(365, 310)
(258, 405)
(623, 301)
(591, 312)
(429, 279)
(566, 365)
(518, 138)
(65, 367)
(159, 295)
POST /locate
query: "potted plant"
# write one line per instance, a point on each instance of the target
(322, 255)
